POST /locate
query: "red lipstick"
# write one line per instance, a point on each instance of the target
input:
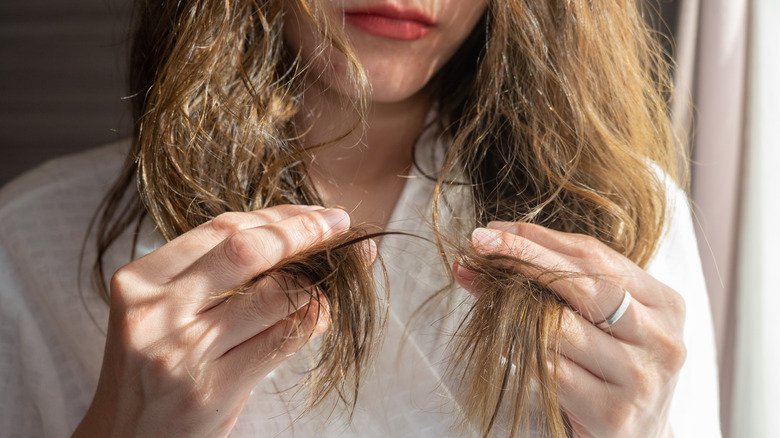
(390, 21)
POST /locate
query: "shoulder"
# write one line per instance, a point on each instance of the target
(50, 333)
(84, 173)
(60, 192)
(676, 261)
(45, 213)
(44, 218)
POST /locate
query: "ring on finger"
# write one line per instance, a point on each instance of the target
(621, 310)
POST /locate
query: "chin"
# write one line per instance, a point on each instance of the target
(391, 93)
(395, 81)
(388, 85)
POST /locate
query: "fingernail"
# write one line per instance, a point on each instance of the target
(371, 251)
(335, 217)
(302, 305)
(311, 207)
(501, 225)
(464, 273)
(486, 239)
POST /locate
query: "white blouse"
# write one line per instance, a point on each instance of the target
(52, 325)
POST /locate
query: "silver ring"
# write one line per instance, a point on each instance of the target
(618, 313)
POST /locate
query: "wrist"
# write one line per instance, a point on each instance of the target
(100, 418)
(94, 424)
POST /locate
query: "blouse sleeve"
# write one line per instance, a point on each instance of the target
(51, 337)
(18, 415)
(695, 405)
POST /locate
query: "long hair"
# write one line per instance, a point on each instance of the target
(564, 125)
(555, 113)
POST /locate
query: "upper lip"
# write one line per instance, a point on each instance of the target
(394, 12)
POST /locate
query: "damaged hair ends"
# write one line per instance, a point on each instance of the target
(214, 93)
(555, 114)
(561, 120)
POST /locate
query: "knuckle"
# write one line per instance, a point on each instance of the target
(311, 227)
(199, 399)
(674, 352)
(591, 249)
(295, 339)
(596, 295)
(227, 224)
(267, 301)
(273, 348)
(171, 360)
(602, 291)
(618, 416)
(122, 285)
(676, 304)
(121, 278)
(160, 365)
(679, 354)
(240, 250)
(258, 306)
(290, 337)
(642, 381)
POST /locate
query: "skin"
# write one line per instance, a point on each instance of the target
(615, 382)
(180, 363)
(363, 173)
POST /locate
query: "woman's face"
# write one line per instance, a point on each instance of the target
(401, 44)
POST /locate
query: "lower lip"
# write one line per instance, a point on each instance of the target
(386, 27)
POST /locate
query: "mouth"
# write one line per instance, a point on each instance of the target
(390, 21)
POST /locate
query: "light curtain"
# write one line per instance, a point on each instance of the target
(756, 395)
(734, 77)
(718, 85)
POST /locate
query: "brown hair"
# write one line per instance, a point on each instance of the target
(566, 113)
(555, 112)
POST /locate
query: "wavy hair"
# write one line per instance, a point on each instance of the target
(555, 113)
(564, 125)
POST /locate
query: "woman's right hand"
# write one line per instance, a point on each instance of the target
(177, 362)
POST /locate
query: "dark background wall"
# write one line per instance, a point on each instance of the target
(62, 69)
(61, 78)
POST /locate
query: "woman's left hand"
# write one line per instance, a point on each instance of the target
(614, 382)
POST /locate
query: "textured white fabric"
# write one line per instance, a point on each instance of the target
(51, 335)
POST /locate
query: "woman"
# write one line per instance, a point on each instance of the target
(498, 115)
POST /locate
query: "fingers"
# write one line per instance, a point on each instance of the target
(251, 251)
(243, 316)
(469, 280)
(575, 280)
(254, 358)
(160, 331)
(601, 408)
(241, 257)
(583, 396)
(613, 382)
(185, 304)
(589, 250)
(169, 260)
(593, 349)
(564, 243)
(590, 276)
(597, 406)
